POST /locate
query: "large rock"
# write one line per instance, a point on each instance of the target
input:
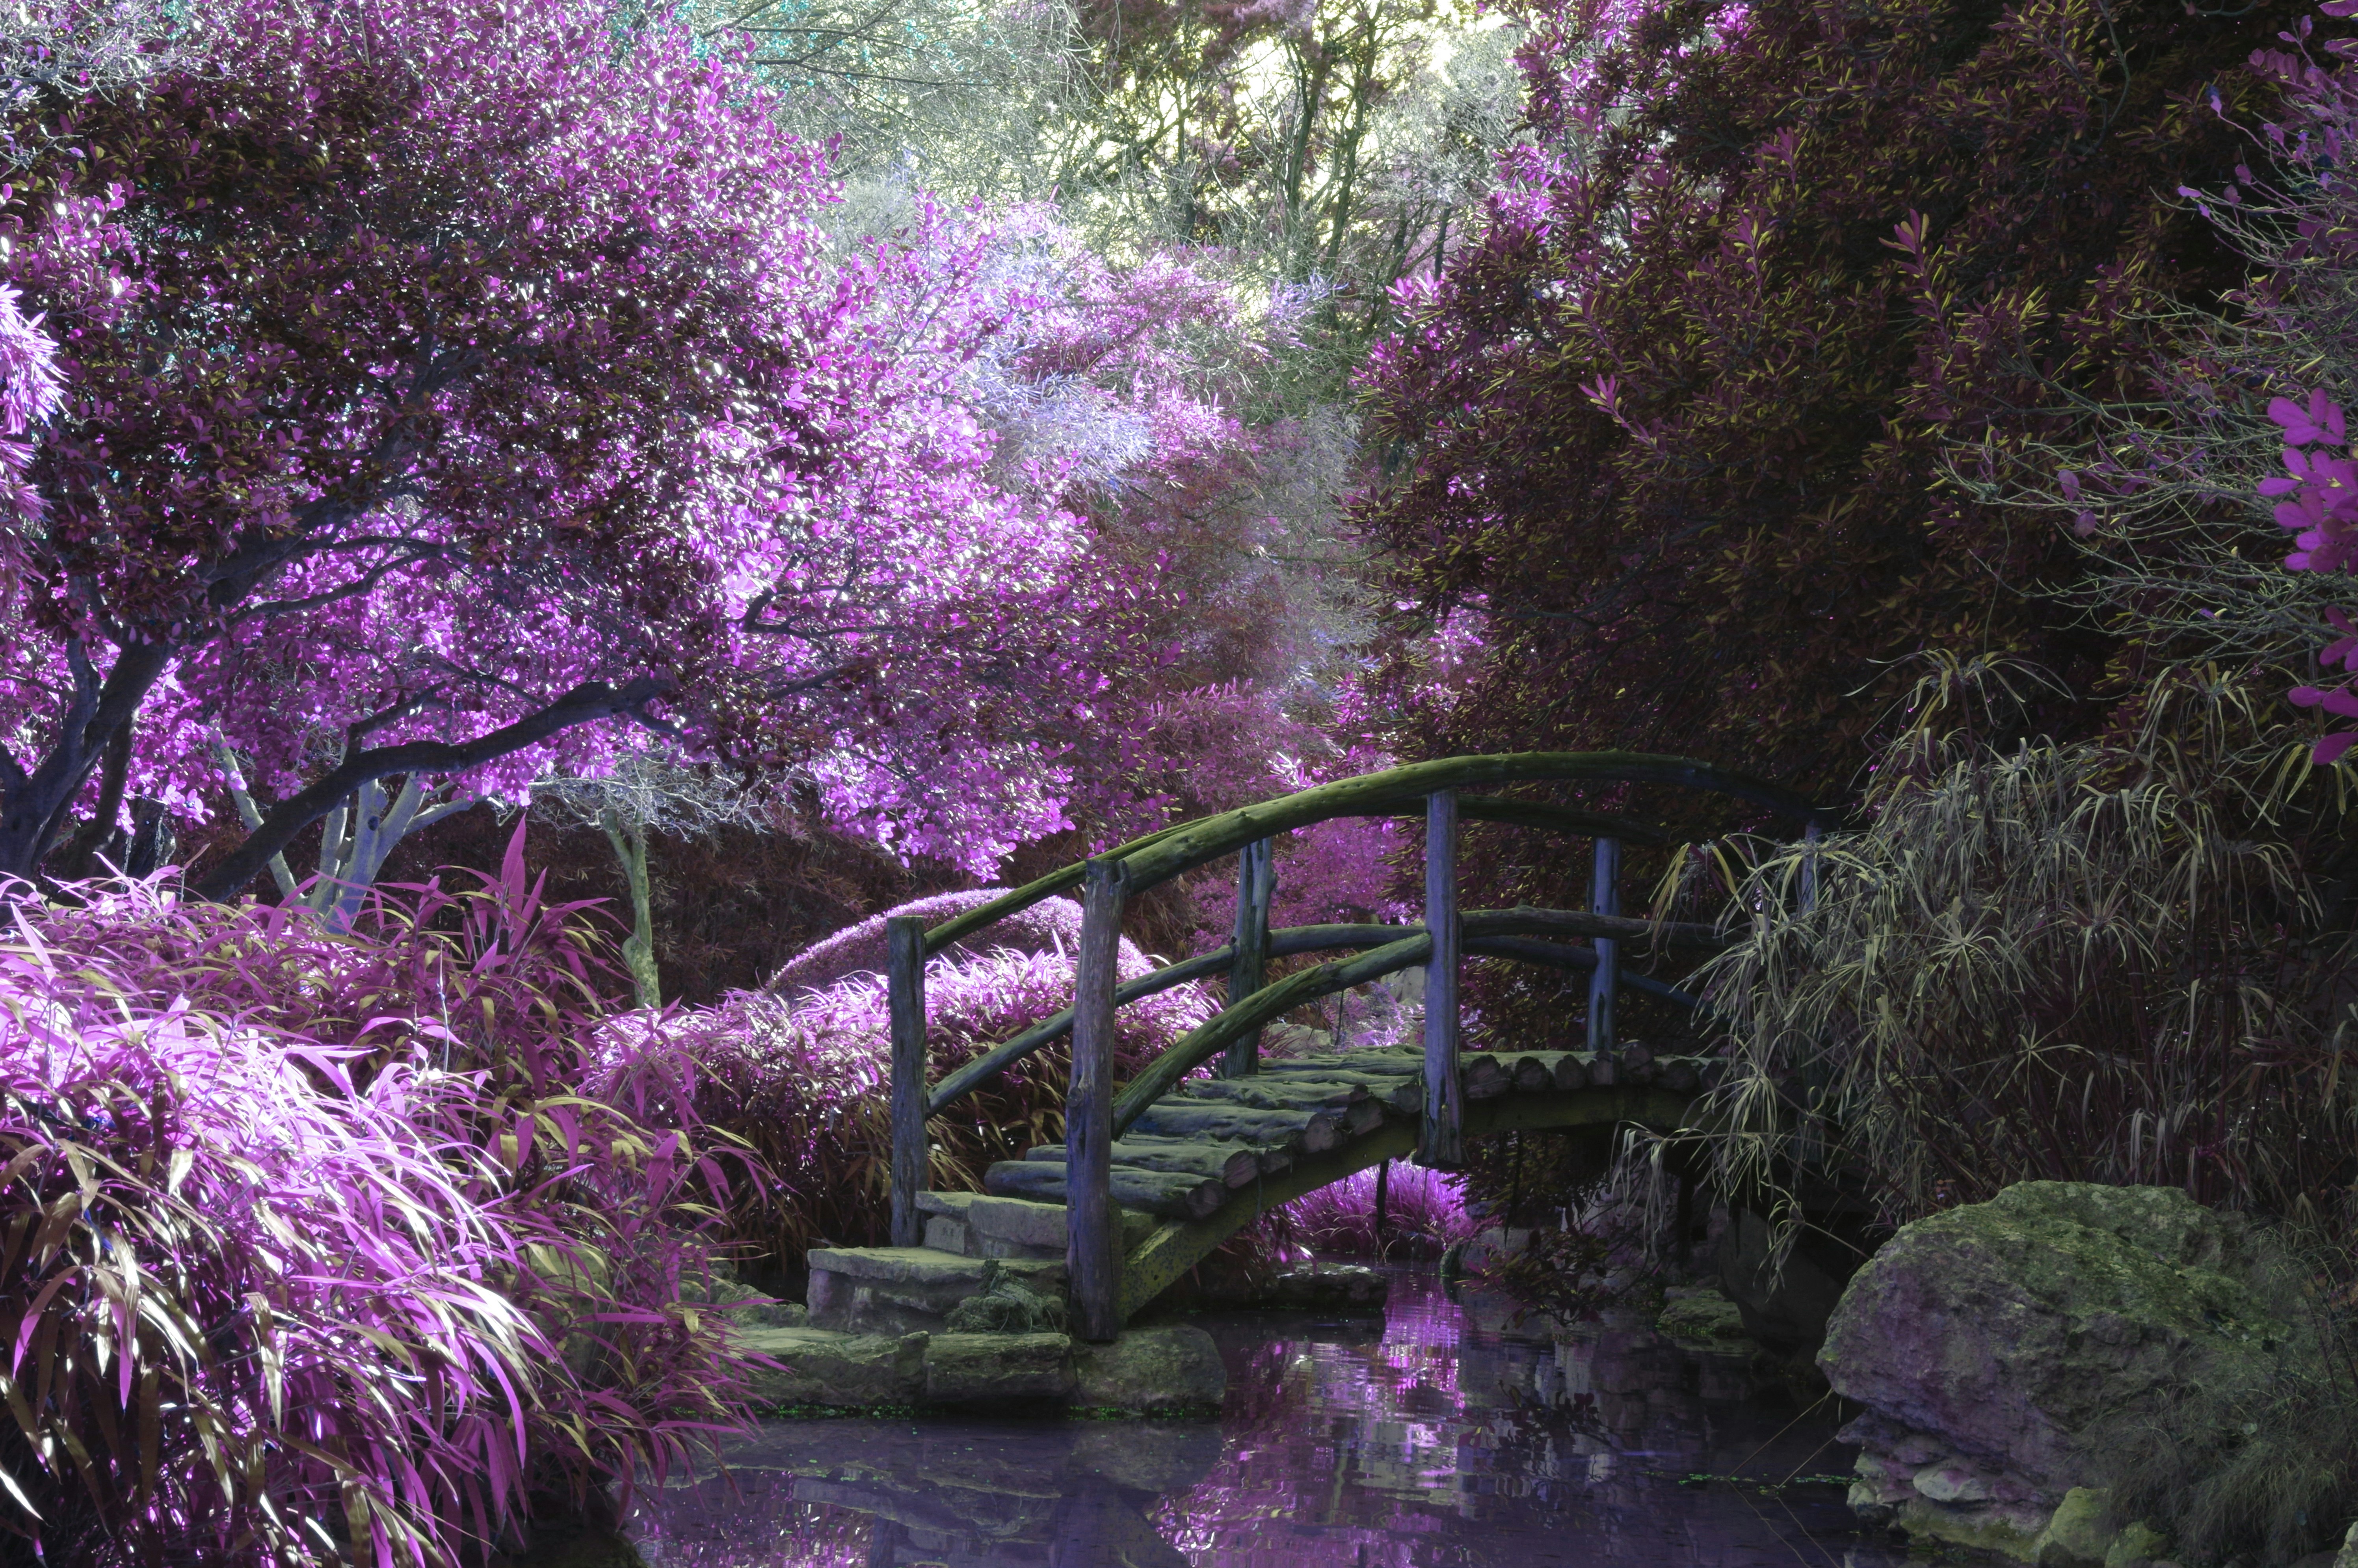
(2004, 1350)
(1306, 1287)
(1154, 1369)
(1703, 1319)
(997, 1368)
(898, 1290)
(818, 1367)
(1006, 1305)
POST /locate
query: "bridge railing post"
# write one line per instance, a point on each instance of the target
(1604, 981)
(1255, 884)
(904, 989)
(1092, 1253)
(1441, 1141)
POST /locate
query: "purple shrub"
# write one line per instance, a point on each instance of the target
(308, 1250)
(1051, 925)
(1424, 1213)
(803, 1080)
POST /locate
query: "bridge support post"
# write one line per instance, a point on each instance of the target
(905, 990)
(1604, 981)
(1440, 1141)
(1255, 883)
(1092, 1250)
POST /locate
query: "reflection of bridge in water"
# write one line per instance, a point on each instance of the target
(1439, 1437)
(1191, 1159)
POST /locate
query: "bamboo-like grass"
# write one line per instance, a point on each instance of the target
(2064, 963)
(2093, 963)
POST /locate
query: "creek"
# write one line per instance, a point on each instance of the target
(1438, 1434)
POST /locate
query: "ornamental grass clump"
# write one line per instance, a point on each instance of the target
(309, 1254)
(245, 1317)
(2067, 963)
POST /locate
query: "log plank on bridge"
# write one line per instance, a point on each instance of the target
(1237, 1164)
(1170, 1193)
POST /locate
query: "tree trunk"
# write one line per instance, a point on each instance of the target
(630, 841)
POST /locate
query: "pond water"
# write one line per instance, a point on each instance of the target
(1439, 1434)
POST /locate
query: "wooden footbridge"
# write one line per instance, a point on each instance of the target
(1203, 1157)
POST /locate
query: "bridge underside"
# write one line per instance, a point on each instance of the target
(1176, 1246)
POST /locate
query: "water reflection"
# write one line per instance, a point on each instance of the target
(1438, 1436)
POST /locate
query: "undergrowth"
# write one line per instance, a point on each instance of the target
(310, 1249)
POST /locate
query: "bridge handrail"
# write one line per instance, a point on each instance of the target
(1474, 807)
(1289, 940)
(1208, 1039)
(1208, 839)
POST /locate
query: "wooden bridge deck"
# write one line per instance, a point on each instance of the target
(1211, 1137)
(1216, 1153)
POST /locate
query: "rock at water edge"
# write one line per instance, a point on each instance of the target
(1153, 1369)
(821, 1367)
(2080, 1532)
(1706, 1319)
(2006, 1350)
(997, 1368)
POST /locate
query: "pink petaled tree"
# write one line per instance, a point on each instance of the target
(440, 386)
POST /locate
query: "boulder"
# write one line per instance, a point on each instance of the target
(997, 1368)
(2136, 1546)
(1175, 1367)
(2005, 1350)
(818, 1367)
(1703, 1320)
(1311, 1287)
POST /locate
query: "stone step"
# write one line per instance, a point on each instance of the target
(903, 1289)
(1153, 1370)
(981, 1225)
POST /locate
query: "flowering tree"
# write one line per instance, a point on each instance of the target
(443, 386)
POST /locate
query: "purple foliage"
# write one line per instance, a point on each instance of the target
(1424, 1213)
(2320, 503)
(1052, 924)
(28, 395)
(535, 403)
(311, 1250)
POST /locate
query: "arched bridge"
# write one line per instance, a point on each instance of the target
(1156, 1172)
